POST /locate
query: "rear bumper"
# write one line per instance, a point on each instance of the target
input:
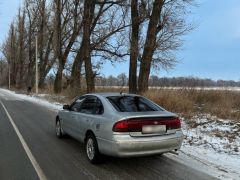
(127, 146)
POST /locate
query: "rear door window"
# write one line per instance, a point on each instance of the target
(91, 105)
(132, 104)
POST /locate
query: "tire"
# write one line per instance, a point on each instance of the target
(91, 148)
(58, 129)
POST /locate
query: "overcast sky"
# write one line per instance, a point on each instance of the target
(210, 51)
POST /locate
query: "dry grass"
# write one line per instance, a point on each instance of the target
(173, 100)
(187, 102)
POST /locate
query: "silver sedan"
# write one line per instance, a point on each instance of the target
(121, 125)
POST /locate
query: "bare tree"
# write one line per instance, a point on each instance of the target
(73, 34)
(67, 29)
(32, 14)
(9, 50)
(163, 37)
(122, 79)
(102, 21)
(148, 51)
(21, 50)
(38, 26)
(161, 24)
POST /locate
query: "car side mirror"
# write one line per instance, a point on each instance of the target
(66, 107)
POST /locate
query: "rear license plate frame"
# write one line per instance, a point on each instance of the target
(154, 129)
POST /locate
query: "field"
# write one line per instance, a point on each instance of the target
(187, 102)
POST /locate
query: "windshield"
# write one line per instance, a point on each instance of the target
(132, 104)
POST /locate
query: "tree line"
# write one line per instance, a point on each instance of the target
(155, 81)
(75, 38)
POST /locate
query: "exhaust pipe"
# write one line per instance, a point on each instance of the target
(174, 152)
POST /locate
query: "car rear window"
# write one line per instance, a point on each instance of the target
(132, 104)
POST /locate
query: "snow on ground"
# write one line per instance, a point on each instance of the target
(214, 142)
(38, 99)
(211, 145)
(209, 132)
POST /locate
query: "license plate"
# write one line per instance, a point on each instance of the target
(153, 129)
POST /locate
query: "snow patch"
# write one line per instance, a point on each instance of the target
(215, 142)
(37, 99)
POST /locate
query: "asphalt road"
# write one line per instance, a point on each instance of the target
(65, 159)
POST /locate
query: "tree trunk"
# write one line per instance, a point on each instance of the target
(30, 75)
(76, 70)
(89, 7)
(58, 80)
(41, 36)
(134, 47)
(148, 51)
(41, 81)
(42, 76)
(58, 48)
(43, 71)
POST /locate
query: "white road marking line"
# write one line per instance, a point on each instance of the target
(35, 164)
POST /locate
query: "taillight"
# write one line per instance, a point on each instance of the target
(121, 126)
(135, 125)
(174, 124)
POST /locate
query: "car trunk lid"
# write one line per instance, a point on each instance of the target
(145, 125)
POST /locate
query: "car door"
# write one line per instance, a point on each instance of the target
(87, 119)
(70, 124)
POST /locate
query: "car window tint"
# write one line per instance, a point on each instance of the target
(77, 104)
(87, 106)
(91, 105)
(132, 104)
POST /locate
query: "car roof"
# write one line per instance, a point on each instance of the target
(107, 94)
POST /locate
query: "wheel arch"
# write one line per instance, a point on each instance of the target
(88, 132)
